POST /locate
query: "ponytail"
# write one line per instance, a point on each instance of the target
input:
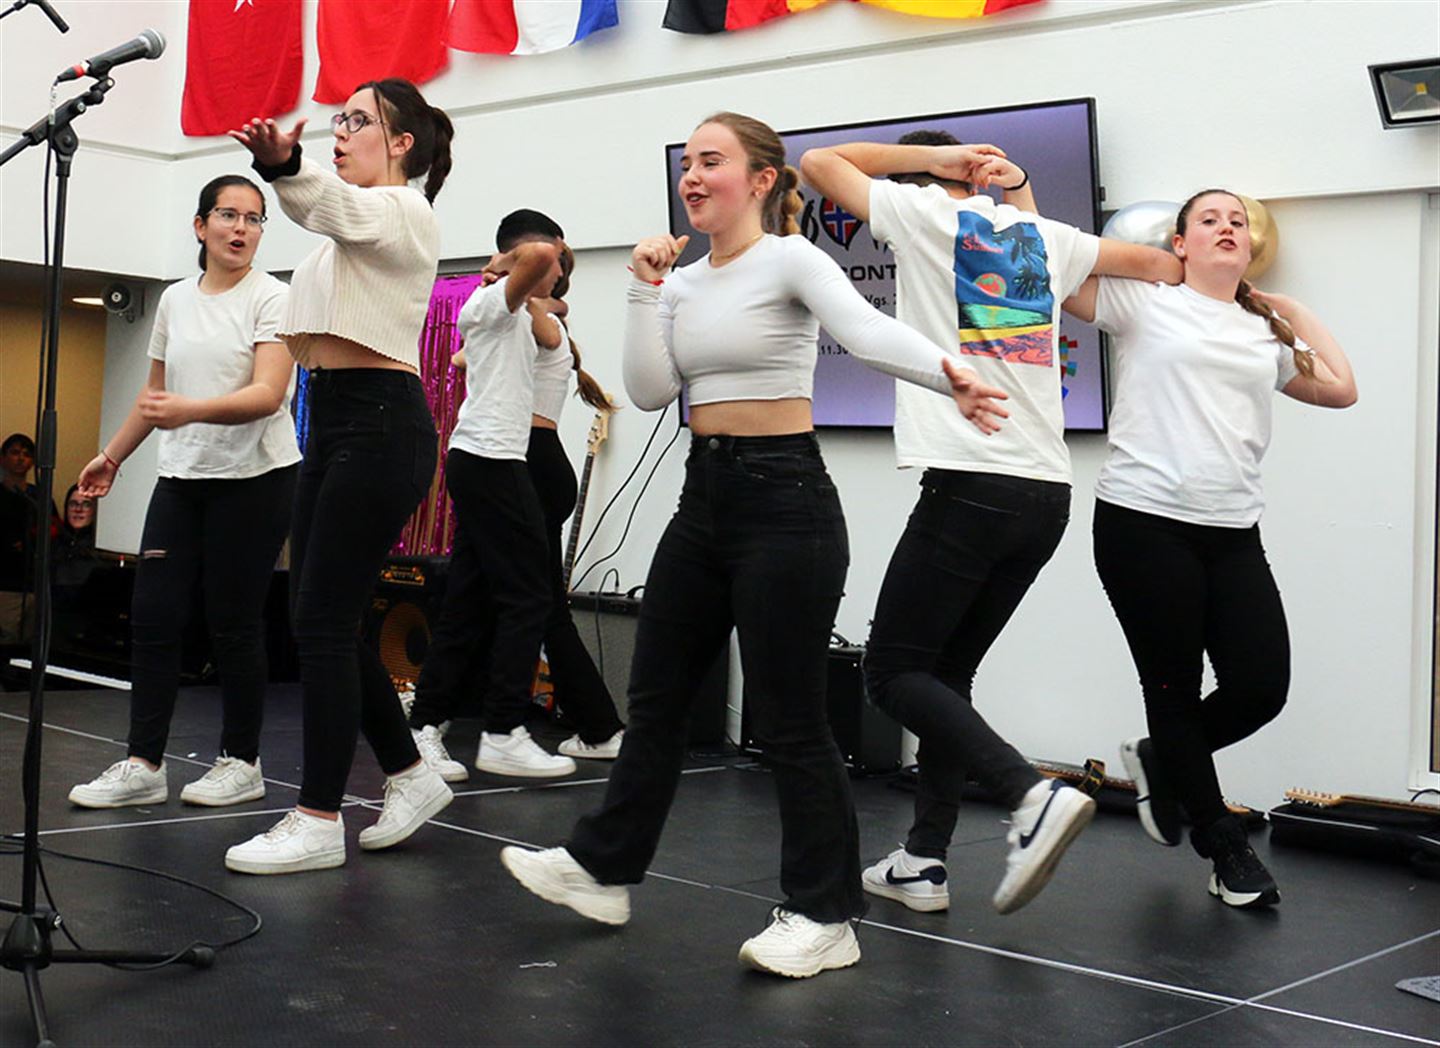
(783, 204)
(586, 388)
(1279, 327)
(407, 111)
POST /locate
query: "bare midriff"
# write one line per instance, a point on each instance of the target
(541, 422)
(334, 353)
(752, 418)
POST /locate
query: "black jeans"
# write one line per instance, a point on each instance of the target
(369, 460)
(1182, 591)
(497, 595)
(222, 536)
(580, 691)
(973, 545)
(757, 544)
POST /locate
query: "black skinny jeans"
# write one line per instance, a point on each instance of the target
(1182, 591)
(580, 691)
(972, 547)
(221, 536)
(757, 544)
(369, 460)
(497, 596)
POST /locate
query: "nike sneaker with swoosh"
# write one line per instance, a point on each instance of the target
(911, 880)
(1050, 816)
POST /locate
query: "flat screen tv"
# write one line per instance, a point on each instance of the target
(1053, 141)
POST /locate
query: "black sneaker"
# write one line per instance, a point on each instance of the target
(1155, 801)
(1240, 879)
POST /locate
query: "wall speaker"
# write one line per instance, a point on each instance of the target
(124, 301)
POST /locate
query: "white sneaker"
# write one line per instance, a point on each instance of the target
(124, 783)
(230, 781)
(608, 750)
(411, 797)
(917, 882)
(1050, 816)
(555, 876)
(797, 947)
(432, 750)
(296, 843)
(518, 754)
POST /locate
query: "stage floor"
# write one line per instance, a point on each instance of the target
(434, 943)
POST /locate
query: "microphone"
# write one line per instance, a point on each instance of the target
(53, 15)
(149, 44)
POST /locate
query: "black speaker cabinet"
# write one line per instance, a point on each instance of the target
(869, 740)
(404, 607)
(607, 622)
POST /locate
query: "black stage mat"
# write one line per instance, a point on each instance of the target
(433, 943)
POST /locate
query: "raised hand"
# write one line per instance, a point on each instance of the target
(654, 256)
(959, 163)
(271, 146)
(977, 401)
(997, 171)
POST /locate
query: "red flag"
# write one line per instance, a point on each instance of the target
(364, 40)
(243, 60)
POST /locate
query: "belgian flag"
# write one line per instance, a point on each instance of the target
(724, 16)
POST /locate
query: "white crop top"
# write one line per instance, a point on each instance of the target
(553, 368)
(748, 330)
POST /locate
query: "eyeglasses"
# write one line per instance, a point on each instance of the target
(352, 122)
(231, 217)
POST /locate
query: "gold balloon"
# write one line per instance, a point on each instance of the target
(1264, 237)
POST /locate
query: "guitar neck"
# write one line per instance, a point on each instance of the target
(1331, 800)
(574, 542)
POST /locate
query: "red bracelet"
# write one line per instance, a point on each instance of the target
(106, 456)
(653, 283)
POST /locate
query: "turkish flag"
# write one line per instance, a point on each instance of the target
(362, 40)
(243, 59)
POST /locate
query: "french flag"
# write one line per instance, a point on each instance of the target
(525, 27)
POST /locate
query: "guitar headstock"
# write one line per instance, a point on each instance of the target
(1314, 798)
(599, 432)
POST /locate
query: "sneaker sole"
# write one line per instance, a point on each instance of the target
(1044, 868)
(435, 804)
(1135, 767)
(537, 879)
(574, 755)
(918, 903)
(319, 861)
(523, 772)
(843, 957)
(458, 775)
(1243, 900)
(97, 803)
(188, 797)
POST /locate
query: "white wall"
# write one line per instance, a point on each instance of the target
(1271, 98)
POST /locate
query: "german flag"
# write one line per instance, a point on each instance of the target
(725, 16)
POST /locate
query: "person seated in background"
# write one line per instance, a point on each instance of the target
(19, 502)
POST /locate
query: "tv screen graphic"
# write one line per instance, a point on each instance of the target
(1053, 141)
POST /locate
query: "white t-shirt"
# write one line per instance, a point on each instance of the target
(553, 368)
(207, 343)
(747, 330)
(500, 353)
(985, 281)
(1194, 382)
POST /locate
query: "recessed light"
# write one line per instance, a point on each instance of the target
(88, 301)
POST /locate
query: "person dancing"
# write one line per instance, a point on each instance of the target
(993, 502)
(580, 691)
(757, 544)
(1177, 510)
(354, 316)
(219, 392)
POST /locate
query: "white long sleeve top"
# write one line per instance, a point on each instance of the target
(371, 281)
(747, 330)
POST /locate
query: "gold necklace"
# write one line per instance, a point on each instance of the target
(721, 259)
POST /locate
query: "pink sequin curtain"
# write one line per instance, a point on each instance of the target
(432, 528)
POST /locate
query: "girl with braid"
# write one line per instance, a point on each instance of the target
(1178, 504)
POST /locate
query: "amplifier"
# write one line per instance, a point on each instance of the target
(403, 609)
(607, 622)
(869, 740)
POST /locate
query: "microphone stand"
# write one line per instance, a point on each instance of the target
(27, 947)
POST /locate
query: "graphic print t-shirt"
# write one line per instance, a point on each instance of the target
(985, 281)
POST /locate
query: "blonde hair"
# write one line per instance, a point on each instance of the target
(762, 145)
(1279, 326)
